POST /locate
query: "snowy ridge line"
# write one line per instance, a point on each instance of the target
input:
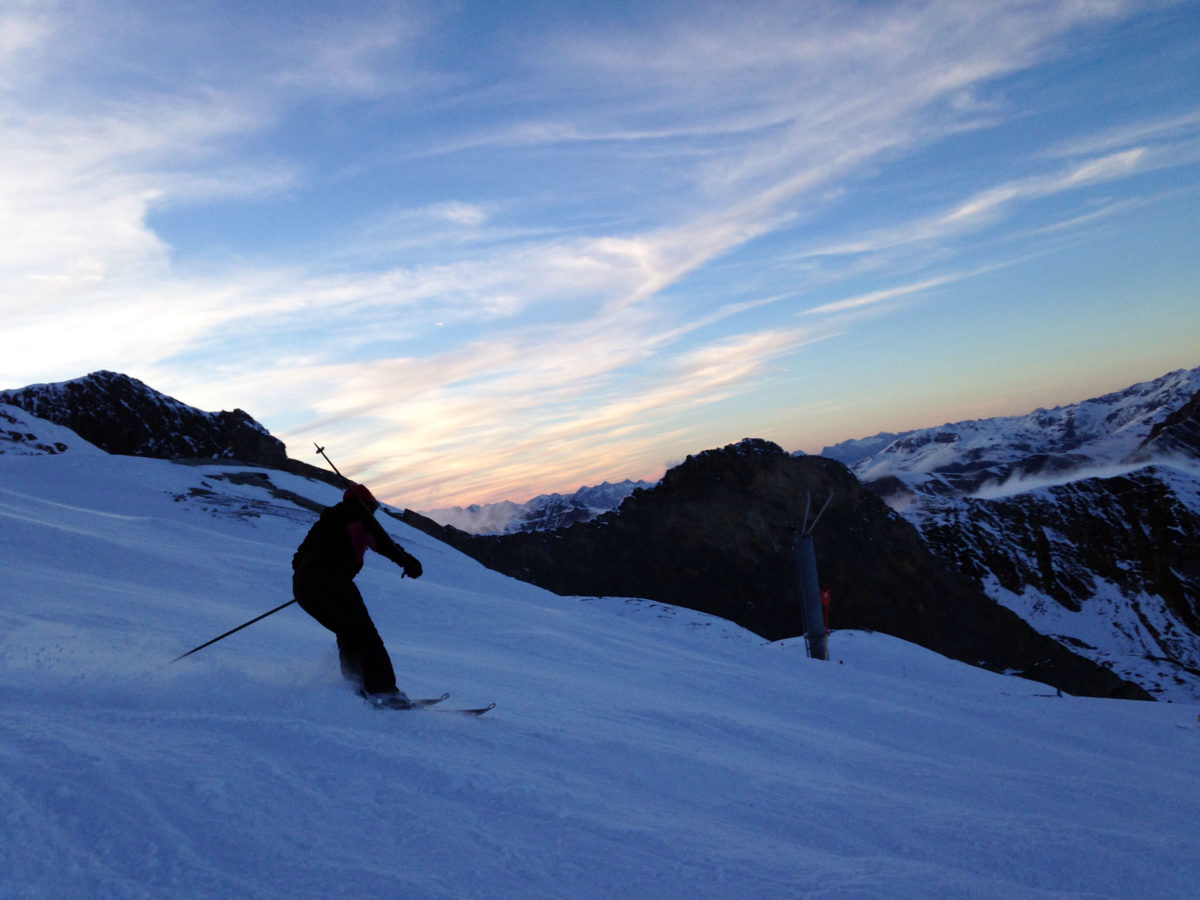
(122, 415)
(1105, 429)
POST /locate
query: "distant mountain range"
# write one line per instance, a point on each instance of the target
(1126, 428)
(543, 513)
(716, 534)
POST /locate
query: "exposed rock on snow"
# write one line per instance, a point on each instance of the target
(1084, 519)
(122, 415)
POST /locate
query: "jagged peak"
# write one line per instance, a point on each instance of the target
(123, 415)
(747, 447)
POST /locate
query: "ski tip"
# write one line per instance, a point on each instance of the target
(467, 712)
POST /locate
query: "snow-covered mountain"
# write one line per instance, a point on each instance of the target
(120, 414)
(1083, 519)
(637, 749)
(857, 449)
(543, 513)
(1055, 445)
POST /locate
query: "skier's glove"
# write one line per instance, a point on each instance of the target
(412, 567)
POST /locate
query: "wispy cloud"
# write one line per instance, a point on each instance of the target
(1022, 484)
(531, 418)
(507, 274)
(374, 53)
(1182, 128)
(992, 204)
(874, 298)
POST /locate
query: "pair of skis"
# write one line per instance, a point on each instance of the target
(377, 701)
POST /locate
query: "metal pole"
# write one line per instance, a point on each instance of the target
(232, 631)
(809, 528)
(809, 587)
(808, 584)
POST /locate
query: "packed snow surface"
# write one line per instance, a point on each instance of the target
(636, 750)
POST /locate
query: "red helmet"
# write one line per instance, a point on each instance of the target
(360, 492)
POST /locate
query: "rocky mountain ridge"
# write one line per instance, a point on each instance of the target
(124, 416)
(961, 458)
(1085, 520)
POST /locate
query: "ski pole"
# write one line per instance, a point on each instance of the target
(361, 502)
(232, 631)
(321, 450)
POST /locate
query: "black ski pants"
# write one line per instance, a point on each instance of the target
(335, 602)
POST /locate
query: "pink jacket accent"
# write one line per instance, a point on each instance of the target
(361, 540)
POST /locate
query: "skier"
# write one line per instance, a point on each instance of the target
(324, 567)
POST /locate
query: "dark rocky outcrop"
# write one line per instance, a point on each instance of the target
(16, 438)
(122, 415)
(1129, 530)
(1176, 435)
(1130, 539)
(1084, 519)
(716, 535)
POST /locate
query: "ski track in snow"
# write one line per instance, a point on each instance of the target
(637, 750)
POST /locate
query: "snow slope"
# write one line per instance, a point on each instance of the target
(636, 750)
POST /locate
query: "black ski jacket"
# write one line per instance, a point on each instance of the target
(340, 539)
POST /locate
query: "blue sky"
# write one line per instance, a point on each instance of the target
(484, 250)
